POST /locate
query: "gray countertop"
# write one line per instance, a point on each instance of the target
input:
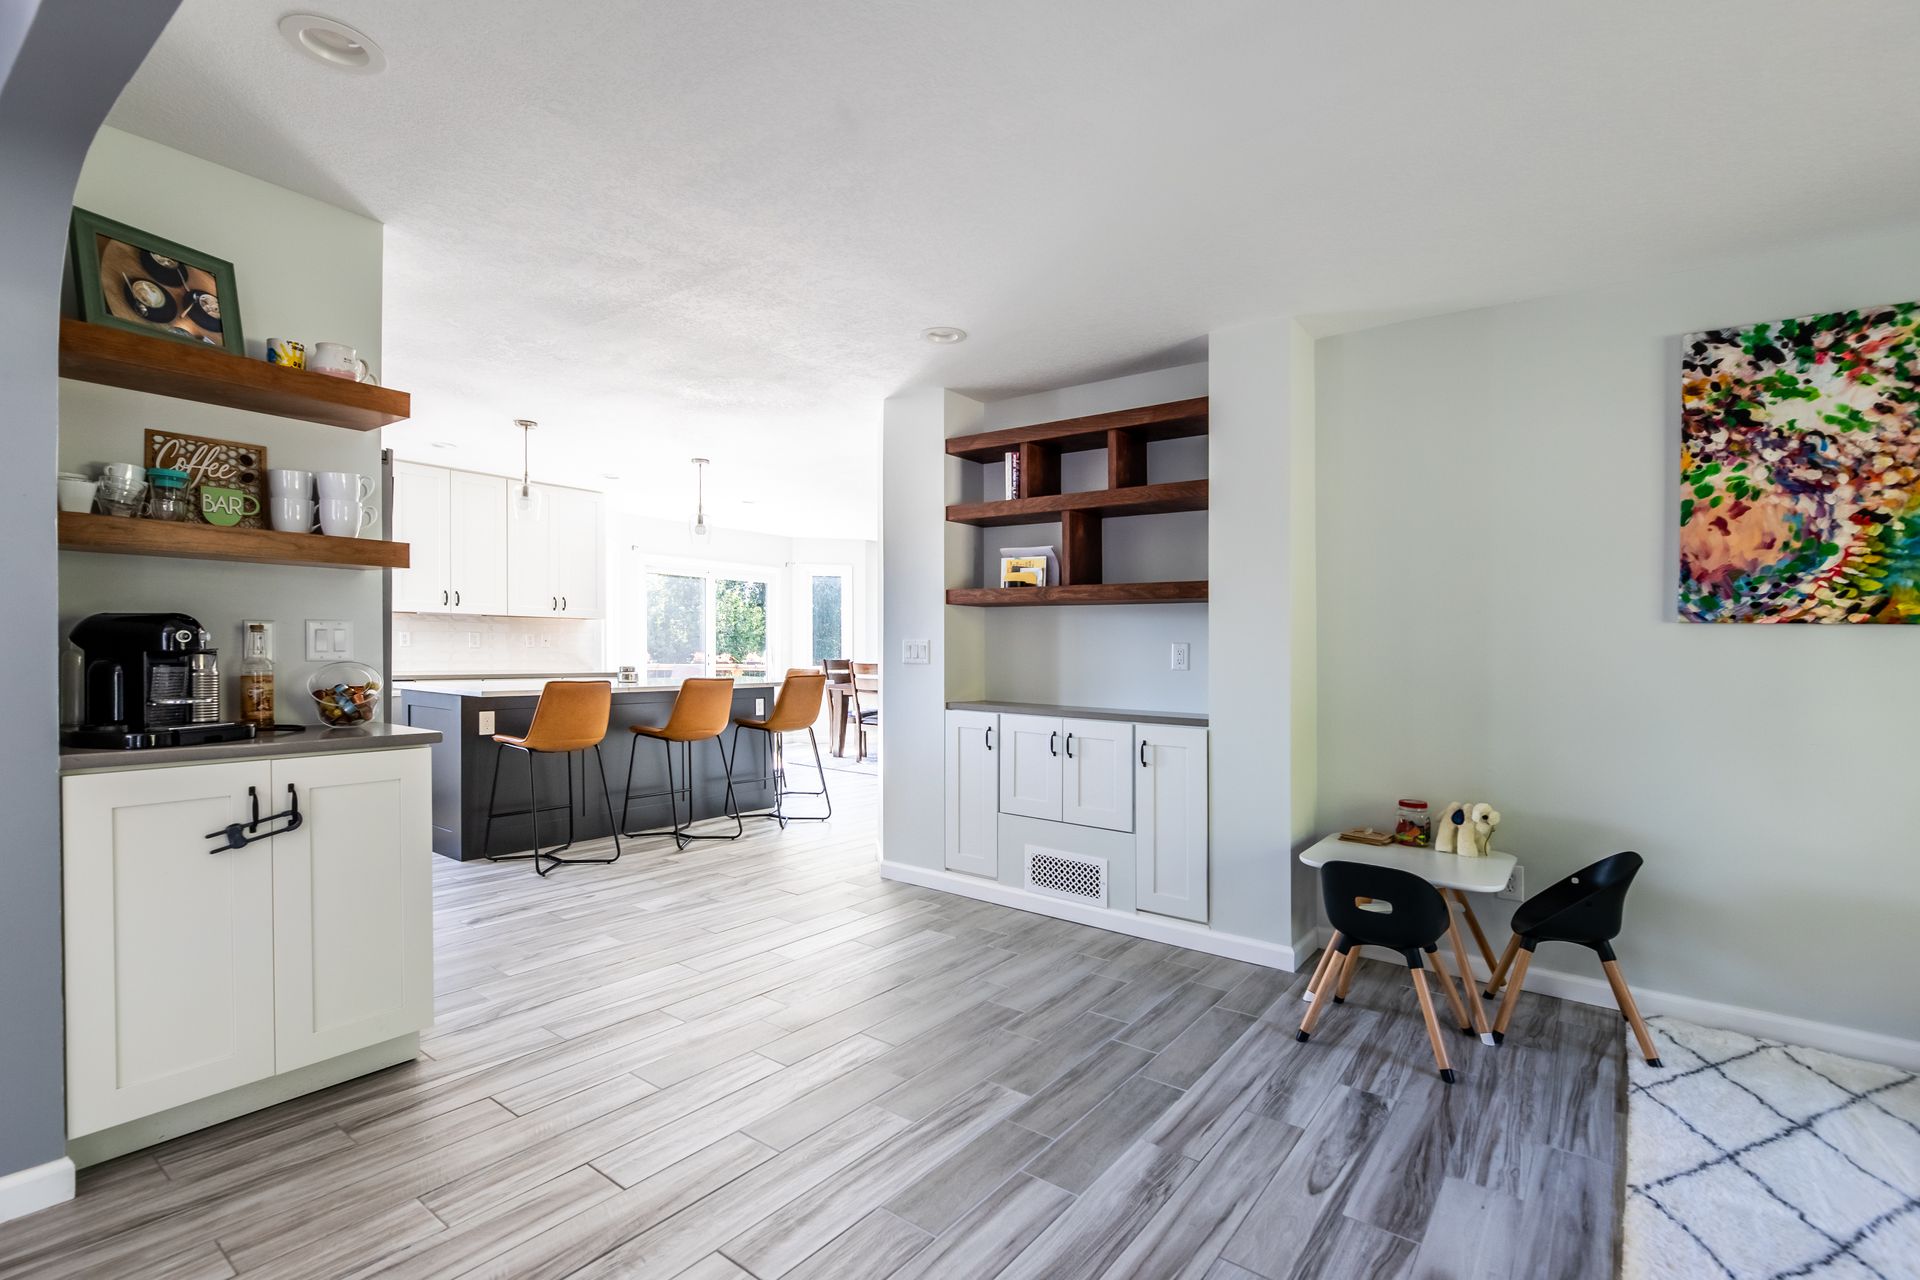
(315, 741)
(1195, 719)
(530, 686)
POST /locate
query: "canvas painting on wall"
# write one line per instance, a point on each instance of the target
(1800, 470)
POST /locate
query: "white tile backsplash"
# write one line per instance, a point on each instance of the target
(449, 644)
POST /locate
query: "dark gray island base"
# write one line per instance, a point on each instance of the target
(464, 759)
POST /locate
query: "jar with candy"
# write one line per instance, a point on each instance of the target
(345, 693)
(1414, 826)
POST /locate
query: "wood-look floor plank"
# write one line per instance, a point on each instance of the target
(1311, 1186)
(1079, 1156)
(989, 1236)
(871, 1249)
(1085, 1240)
(943, 1193)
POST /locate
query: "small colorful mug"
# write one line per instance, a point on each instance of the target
(287, 352)
(227, 506)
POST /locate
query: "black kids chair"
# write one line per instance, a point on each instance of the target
(1583, 909)
(1404, 914)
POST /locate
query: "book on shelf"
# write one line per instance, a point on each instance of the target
(1029, 567)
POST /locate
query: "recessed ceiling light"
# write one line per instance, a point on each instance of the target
(608, 475)
(944, 334)
(334, 43)
(443, 444)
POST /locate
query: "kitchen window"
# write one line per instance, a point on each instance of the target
(708, 621)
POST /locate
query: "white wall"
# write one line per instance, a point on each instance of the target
(1111, 655)
(1497, 569)
(304, 270)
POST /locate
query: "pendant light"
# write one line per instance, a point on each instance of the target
(699, 527)
(525, 497)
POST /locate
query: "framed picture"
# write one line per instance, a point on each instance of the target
(131, 279)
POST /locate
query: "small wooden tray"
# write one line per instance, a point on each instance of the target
(1367, 835)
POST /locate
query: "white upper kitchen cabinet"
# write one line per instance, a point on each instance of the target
(1030, 766)
(1097, 769)
(421, 505)
(973, 793)
(555, 556)
(169, 940)
(352, 904)
(1170, 821)
(477, 543)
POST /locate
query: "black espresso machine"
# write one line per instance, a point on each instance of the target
(149, 680)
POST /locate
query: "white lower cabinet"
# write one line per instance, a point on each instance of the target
(973, 793)
(1030, 766)
(1096, 777)
(193, 968)
(1170, 822)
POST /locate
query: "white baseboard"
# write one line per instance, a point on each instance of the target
(1784, 1027)
(31, 1190)
(1178, 933)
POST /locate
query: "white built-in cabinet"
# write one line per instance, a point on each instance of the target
(193, 969)
(555, 553)
(1170, 822)
(1085, 775)
(477, 547)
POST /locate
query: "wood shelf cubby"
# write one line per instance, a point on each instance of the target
(135, 536)
(1124, 435)
(208, 375)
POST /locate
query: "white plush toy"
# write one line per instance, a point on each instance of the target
(1466, 829)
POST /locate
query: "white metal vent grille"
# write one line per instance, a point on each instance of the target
(1067, 875)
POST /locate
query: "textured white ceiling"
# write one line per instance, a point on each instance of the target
(675, 227)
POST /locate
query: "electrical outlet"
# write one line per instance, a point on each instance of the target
(403, 639)
(760, 706)
(1182, 657)
(1515, 890)
(247, 627)
(916, 652)
(473, 639)
(546, 642)
(483, 724)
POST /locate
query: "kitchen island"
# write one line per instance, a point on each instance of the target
(467, 713)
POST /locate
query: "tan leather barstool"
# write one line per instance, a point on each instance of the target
(701, 711)
(795, 707)
(570, 716)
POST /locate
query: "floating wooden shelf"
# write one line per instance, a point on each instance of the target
(134, 536)
(191, 371)
(1141, 500)
(1085, 593)
(1171, 421)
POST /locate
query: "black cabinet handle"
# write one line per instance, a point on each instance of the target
(1143, 753)
(1069, 746)
(563, 604)
(456, 597)
(556, 603)
(989, 737)
(443, 597)
(1053, 743)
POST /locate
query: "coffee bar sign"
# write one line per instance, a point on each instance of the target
(224, 473)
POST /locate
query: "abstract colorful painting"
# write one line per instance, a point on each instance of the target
(1800, 470)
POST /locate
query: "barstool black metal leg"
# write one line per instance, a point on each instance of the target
(606, 794)
(820, 767)
(626, 801)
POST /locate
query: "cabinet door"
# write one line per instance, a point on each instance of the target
(420, 506)
(1096, 787)
(1030, 766)
(1170, 821)
(578, 553)
(973, 793)
(169, 945)
(477, 556)
(352, 904)
(530, 589)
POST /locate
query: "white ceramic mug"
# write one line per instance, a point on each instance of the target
(283, 483)
(291, 513)
(346, 486)
(76, 492)
(338, 360)
(340, 518)
(124, 476)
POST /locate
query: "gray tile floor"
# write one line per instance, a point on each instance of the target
(761, 1060)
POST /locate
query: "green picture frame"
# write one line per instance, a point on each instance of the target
(133, 280)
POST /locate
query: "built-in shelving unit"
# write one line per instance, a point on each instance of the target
(193, 371)
(134, 536)
(1125, 436)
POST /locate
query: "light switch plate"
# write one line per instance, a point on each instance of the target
(916, 652)
(483, 724)
(1182, 657)
(328, 641)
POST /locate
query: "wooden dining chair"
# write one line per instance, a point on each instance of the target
(1386, 907)
(866, 704)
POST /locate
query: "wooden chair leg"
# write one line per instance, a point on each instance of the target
(1499, 974)
(1473, 923)
(1520, 964)
(1314, 1010)
(1433, 1024)
(1479, 1019)
(1320, 970)
(1453, 997)
(1624, 998)
(1346, 975)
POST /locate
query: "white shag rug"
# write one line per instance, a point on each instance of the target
(1747, 1158)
